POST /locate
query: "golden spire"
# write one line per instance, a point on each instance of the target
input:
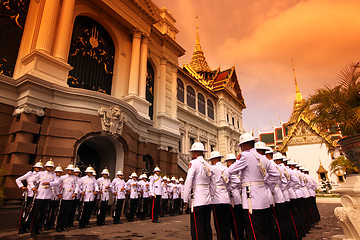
(299, 97)
(198, 62)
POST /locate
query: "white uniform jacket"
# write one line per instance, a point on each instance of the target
(145, 188)
(284, 182)
(165, 191)
(105, 188)
(251, 176)
(221, 179)
(276, 192)
(200, 179)
(44, 191)
(118, 186)
(26, 178)
(291, 183)
(67, 184)
(155, 185)
(132, 186)
(87, 185)
(234, 187)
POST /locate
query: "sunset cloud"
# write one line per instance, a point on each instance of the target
(261, 37)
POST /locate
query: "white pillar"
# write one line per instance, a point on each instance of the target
(161, 87)
(63, 36)
(47, 25)
(135, 60)
(143, 66)
(174, 92)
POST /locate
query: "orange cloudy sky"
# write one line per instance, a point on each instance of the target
(261, 37)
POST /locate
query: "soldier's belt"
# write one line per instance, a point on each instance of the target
(201, 186)
(255, 183)
(89, 191)
(42, 186)
(69, 190)
(221, 187)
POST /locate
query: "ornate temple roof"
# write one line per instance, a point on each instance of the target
(297, 102)
(321, 169)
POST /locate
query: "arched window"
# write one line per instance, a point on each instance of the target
(201, 103)
(180, 90)
(210, 109)
(92, 56)
(190, 97)
(150, 89)
(12, 22)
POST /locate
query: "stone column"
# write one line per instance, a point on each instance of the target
(63, 36)
(135, 60)
(161, 87)
(47, 25)
(174, 92)
(143, 66)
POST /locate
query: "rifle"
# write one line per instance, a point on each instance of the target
(31, 208)
(24, 207)
(81, 208)
(98, 205)
(58, 211)
(113, 210)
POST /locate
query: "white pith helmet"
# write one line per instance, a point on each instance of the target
(157, 169)
(246, 137)
(181, 179)
(70, 167)
(140, 177)
(165, 178)
(306, 170)
(285, 159)
(38, 164)
(260, 145)
(133, 175)
(197, 147)
(177, 181)
(269, 150)
(292, 163)
(301, 168)
(105, 171)
(145, 176)
(230, 156)
(94, 173)
(277, 156)
(173, 179)
(215, 154)
(77, 169)
(89, 169)
(297, 165)
(49, 163)
(120, 173)
(58, 169)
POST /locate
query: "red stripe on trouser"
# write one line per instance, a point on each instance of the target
(197, 237)
(217, 225)
(237, 237)
(251, 225)
(152, 212)
(22, 210)
(294, 225)
(277, 223)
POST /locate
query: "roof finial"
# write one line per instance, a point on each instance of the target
(197, 45)
(299, 97)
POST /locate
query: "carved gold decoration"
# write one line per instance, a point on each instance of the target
(14, 12)
(94, 37)
(113, 119)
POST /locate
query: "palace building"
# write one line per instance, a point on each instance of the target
(98, 82)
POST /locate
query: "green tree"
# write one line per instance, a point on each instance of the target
(343, 164)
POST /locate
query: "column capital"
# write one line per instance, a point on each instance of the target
(163, 60)
(145, 39)
(29, 110)
(137, 33)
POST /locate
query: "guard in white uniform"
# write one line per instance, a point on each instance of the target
(165, 197)
(199, 188)
(67, 185)
(132, 187)
(234, 186)
(43, 196)
(54, 205)
(88, 188)
(23, 183)
(104, 185)
(76, 203)
(118, 189)
(145, 186)
(181, 191)
(253, 169)
(221, 201)
(155, 192)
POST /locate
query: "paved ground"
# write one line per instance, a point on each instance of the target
(171, 228)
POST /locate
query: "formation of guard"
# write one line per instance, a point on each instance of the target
(256, 195)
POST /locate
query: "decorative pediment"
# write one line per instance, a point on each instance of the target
(113, 119)
(304, 134)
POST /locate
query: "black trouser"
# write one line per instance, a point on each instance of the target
(102, 214)
(176, 205)
(64, 214)
(287, 221)
(164, 206)
(85, 218)
(118, 209)
(26, 213)
(222, 217)
(133, 206)
(74, 206)
(259, 224)
(181, 208)
(200, 223)
(40, 209)
(155, 210)
(146, 202)
(237, 224)
(51, 214)
(314, 208)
